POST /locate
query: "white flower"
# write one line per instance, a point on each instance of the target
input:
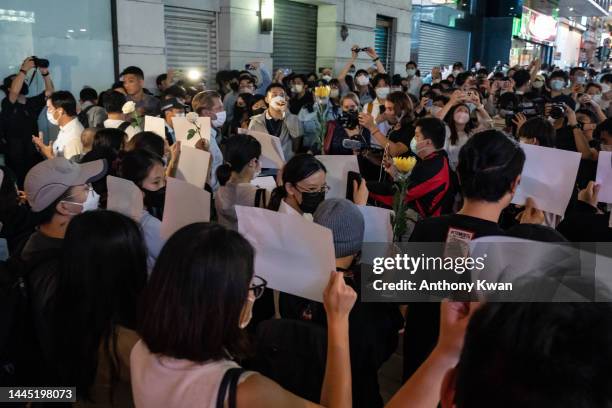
(128, 107)
(192, 117)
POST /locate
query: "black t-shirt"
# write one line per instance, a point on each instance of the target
(436, 229)
(274, 126)
(20, 120)
(402, 135)
(423, 319)
(564, 139)
(566, 99)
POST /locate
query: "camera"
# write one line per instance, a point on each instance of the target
(354, 144)
(40, 62)
(557, 111)
(359, 49)
(349, 119)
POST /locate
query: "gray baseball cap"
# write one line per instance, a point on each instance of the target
(50, 179)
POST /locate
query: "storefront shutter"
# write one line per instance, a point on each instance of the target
(191, 40)
(295, 36)
(382, 41)
(442, 45)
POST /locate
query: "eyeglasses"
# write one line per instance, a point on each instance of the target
(258, 285)
(323, 189)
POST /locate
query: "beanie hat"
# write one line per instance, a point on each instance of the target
(346, 222)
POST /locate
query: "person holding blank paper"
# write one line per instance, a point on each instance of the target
(197, 303)
(242, 165)
(171, 108)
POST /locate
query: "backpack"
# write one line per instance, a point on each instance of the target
(83, 116)
(20, 352)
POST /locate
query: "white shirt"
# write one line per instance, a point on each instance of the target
(285, 208)
(115, 123)
(68, 143)
(453, 149)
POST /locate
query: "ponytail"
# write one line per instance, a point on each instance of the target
(224, 173)
(276, 197)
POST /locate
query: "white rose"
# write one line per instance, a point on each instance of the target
(128, 107)
(192, 117)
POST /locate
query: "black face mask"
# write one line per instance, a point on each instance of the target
(239, 111)
(154, 201)
(310, 201)
(259, 111)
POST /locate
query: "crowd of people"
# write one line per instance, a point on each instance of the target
(98, 300)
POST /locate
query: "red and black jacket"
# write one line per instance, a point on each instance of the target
(430, 187)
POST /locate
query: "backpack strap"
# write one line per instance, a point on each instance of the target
(124, 126)
(260, 201)
(229, 381)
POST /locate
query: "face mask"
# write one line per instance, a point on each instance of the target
(538, 84)
(596, 99)
(297, 88)
(456, 72)
(154, 199)
(557, 84)
(462, 118)
(248, 90)
(581, 80)
(179, 115)
(414, 146)
(221, 116)
(92, 201)
(382, 93)
(327, 78)
(605, 88)
(362, 80)
(310, 201)
(51, 119)
(334, 93)
(244, 321)
(276, 101)
(259, 111)
(410, 72)
(434, 109)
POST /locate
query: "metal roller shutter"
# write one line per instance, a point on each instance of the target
(191, 40)
(382, 41)
(295, 36)
(442, 45)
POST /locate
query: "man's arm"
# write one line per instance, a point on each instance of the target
(266, 79)
(49, 88)
(17, 83)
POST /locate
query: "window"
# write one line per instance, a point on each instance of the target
(75, 36)
(382, 40)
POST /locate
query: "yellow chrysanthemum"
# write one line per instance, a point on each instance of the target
(404, 164)
(322, 91)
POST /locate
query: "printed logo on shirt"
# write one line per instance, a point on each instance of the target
(458, 243)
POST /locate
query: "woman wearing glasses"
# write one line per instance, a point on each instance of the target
(303, 187)
(198, 301)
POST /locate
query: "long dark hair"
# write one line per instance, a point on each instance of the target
(192, 305)
(298, 168)
(239, 151)
(402, 103)
(102, 273)
(135, 165)
(450, 121)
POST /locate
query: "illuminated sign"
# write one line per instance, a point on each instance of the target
(536, 26)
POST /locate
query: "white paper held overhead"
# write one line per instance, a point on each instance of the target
(124, 197)
(294, 255)
(185, 204)
(548, 177)
(182, 127)
(604, 177)
(155, 125)
(193, 166)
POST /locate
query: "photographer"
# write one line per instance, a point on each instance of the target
(557, 83)
(346, 126)
(362, 79)
(569, 135)
(19, 116)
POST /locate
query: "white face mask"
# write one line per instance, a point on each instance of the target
(362, 80)
(382, 93)
(92, 202)
(410, 72)
(557, 84)
(51, 119)
(538, 84)
(221, 116)
(179, 115)
(456, 72)
(605, 88)
(334, 93)
(276, 102)
(596, 99)
(327, 78)
(297, 88)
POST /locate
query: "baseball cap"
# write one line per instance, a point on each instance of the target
(132, 70)
(172, 103)
(48, 180)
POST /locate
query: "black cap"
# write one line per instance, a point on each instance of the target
(132, 70)
(172, 103)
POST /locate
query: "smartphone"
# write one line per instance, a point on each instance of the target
(352, 176)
